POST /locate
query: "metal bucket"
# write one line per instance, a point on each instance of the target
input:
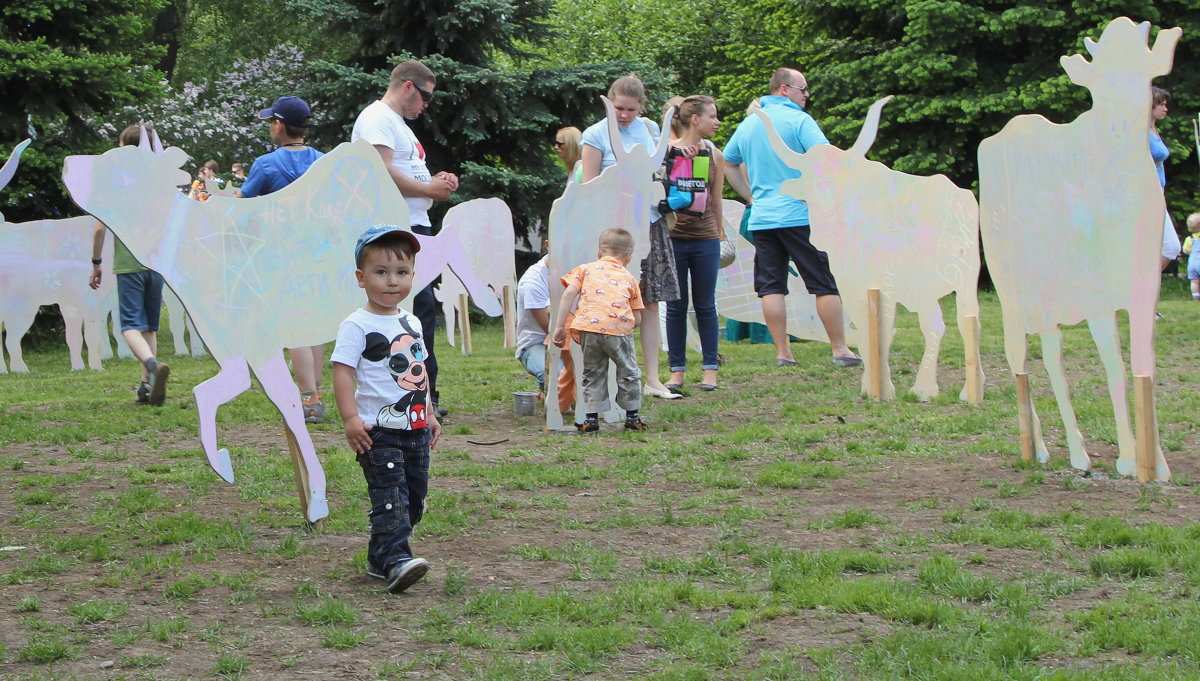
(525, 404)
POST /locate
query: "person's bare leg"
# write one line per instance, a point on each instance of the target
(774, 309)
(829, 309)
(651, 346)
(318, 358)
(1196, 289)
(143, 345)
(304, 369)
(677, 378)
(710, 376)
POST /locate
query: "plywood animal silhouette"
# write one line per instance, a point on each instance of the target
(915, 239)
(736, 298)
(1071, 217)
(257, 275)
(47, 262)
(620, 196)
(484, 229)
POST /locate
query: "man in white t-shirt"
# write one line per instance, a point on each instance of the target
(533, 320)
(384, 124)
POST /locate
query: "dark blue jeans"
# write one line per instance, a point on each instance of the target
(397, 472)
(697, 261)
(425, 309)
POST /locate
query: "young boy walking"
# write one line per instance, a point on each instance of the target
(610, 305)
(389, 424)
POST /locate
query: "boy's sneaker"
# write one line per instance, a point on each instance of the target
(404, 575)
(143, 393)
(590, 424)
(158, 384)
(314, 409)
(635, 423)
(375, 571)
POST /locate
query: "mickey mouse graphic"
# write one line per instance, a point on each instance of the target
(405, 355)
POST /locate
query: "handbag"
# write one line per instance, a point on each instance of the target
(728, 252)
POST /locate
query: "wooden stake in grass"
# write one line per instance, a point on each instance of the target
(1025, 416)
(303, 488)
(464, 323)
(1146, 428)
(510, 317)
(970, 331)
(874, 344)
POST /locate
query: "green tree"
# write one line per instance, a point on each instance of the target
(959, 70)
(209, 37)
(495, 108)
(679, 37)
(61, 62)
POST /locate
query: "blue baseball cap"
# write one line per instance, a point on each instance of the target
(379, 230)
(292, 111)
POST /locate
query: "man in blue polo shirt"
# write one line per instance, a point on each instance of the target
(779, 223)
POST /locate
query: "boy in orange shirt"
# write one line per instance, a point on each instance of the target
(610, 305)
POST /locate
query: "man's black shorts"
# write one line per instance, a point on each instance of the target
(775, 247)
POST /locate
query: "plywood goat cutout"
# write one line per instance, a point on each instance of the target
(1071, 217)
(256, 275)
(484, 227)
(620, 196)
(48, 262)
(913, 239)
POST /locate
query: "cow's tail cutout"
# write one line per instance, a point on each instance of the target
(10, 166)
(866, 136)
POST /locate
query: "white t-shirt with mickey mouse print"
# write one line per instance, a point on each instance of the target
(366, 341)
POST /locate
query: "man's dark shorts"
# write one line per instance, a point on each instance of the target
(139, 300)
(773, 248)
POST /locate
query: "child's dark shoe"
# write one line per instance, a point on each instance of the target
(404, 575)
(590, 424)
(635, 423)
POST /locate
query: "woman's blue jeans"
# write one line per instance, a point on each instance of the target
(697, 261)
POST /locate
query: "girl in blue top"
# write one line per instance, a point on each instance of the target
(1159, 152)
(659, 281)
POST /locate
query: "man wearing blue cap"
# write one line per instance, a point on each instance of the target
(290, 119)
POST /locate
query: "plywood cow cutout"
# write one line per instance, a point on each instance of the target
(256, 275)
(913, 239)
(48, 262)
(620, 196)
(484, 228)
(1071, 217)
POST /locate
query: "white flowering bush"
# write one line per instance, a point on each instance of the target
(218, 119)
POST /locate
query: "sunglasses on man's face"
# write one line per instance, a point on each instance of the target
(426, 95)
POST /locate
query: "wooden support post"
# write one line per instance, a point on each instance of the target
(1146, 432)
(464, 323)
(971, 347)
(1025, 416)
(510, 322)
(874, 343)
(302, 485)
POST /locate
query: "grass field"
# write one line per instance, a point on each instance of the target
(779, 528)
